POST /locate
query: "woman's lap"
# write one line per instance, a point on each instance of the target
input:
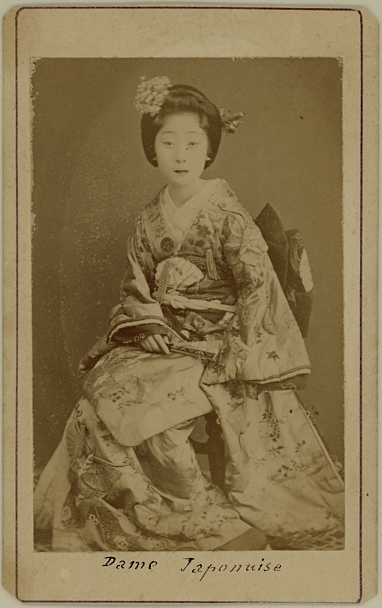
(101, 493)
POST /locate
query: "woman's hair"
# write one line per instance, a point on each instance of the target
(181, 99)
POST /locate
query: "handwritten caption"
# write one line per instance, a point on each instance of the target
(194, 568)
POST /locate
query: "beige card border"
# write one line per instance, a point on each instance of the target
(17, 572)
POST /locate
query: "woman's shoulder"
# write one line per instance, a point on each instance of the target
(237, 220)
(228, 201)
(151, 209)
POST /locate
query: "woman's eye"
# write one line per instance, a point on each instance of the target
(193, 143)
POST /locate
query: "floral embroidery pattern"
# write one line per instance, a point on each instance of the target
(179, 393)
(109, 439)
(121, 542)
(272, 431)
(203, 231)
(252, 390)
(203, 524)
(237, 390)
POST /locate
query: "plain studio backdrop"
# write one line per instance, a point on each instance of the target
(91, 178)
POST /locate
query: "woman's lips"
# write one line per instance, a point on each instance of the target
(181, 171)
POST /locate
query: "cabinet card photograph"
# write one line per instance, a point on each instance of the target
(190, 304)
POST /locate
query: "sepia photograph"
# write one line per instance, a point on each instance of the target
(190, 310)
(195, 199)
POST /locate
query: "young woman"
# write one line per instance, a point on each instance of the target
(202, 325)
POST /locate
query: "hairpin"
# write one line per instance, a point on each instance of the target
(230, 120)
(151, 93)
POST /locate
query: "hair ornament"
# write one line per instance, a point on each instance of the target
(151, 93)
(230, 120)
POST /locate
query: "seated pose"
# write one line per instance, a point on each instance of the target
(203, 325)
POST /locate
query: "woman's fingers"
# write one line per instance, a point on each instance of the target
(150, 345)
(145, 345)
(161, 343)
(177, 301)
(156, 344)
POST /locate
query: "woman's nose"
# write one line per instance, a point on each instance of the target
(181, 153)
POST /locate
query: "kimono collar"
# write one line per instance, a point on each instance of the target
(167, 225)
(179, 219)
(192, 206)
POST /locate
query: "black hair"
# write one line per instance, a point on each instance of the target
(181, 99)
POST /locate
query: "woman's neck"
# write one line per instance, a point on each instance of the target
(181, 194)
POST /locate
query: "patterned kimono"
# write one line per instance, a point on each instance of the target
(125, 475)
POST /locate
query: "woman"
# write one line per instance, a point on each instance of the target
(203, 325)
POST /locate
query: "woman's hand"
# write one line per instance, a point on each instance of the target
(156, 344)
(174, 300)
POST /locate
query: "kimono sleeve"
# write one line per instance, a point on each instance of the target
(138, 314)
(246, 254)
(262, 343)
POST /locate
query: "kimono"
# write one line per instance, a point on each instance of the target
(125, 475)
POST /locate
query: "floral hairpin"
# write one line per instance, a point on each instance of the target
(151, 93)
(230, 120)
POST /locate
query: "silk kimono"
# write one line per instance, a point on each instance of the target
(125, 475)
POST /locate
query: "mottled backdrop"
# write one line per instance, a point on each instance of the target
(91, 178)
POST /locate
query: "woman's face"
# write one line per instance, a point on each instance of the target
(181, 148)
